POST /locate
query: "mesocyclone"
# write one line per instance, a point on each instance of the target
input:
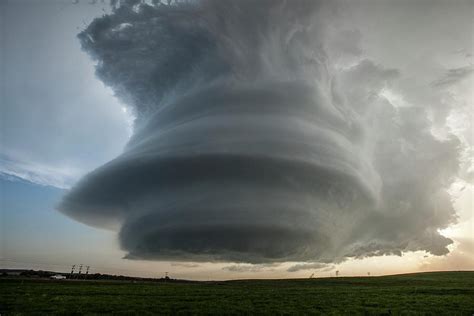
(244, 148)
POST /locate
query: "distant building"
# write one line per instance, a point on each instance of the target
(57, 277)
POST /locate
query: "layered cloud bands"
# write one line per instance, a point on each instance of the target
(249, 145)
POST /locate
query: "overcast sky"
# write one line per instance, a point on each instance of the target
(59, 121)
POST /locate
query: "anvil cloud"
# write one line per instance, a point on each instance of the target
(251, 145)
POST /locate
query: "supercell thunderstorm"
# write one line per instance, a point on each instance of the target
(251, 145)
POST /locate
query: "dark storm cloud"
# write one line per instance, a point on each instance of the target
(454, 75)
(250, 147)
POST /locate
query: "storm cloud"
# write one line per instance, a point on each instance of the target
(453, 76)
(251, 143)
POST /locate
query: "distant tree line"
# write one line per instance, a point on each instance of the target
(40, 274)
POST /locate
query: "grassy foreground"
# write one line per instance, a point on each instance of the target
(437, 293)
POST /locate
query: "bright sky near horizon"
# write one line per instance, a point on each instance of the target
(59, 122)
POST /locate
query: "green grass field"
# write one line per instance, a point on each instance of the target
(437, 293)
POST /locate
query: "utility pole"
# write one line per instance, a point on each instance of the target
(80, 271)
(71, 275)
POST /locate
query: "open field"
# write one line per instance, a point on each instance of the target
(424, 293)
